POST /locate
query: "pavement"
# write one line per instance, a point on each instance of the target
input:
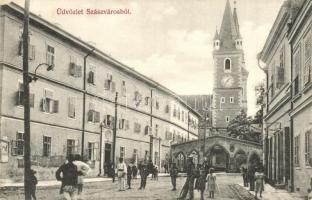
(271, 193)
(6, 183)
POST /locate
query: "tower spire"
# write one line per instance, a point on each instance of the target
(236, 20)
(228, 31)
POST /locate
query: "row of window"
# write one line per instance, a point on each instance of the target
(307, 149)
(71, 147)
(75, 70)
(222, 100)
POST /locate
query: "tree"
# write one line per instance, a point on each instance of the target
(241, 128)
(260, 96)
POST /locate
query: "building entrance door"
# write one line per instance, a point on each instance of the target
(107, 159)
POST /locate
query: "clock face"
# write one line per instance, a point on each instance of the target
(227, 81)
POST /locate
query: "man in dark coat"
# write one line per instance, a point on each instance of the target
(173, 175)
(134, 171)
(129, 175)
(144, 172)
(69, 178)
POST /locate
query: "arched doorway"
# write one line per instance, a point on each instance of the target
(195, 157)
(254, 160)
(180, 162)
(240, 158)
(218, 157)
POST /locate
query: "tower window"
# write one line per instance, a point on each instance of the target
(222, 99)
(231, 99)
(227, 118)
(227, 64)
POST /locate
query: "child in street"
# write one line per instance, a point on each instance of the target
(211, 179)
(201, 181)
(34, 183)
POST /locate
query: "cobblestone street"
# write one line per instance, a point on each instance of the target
(160, 189)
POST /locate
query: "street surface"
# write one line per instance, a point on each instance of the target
(156, 190)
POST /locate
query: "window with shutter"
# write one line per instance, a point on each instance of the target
(307, 59)
(296, 72)
(91, 77)
(107, 84)
(97, 117)
(90, 116)
(46, 146)
(71, 107)
(72, 69)
(17, 146)
(123, 89)
(31, 50)
(280, 77)
(127, 125)
(113, 86)
(50, 55)
(55, 106)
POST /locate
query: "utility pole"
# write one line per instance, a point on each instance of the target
(84, 100)
(27, 150)
(151, 127)
(114, 134)
(101, 148)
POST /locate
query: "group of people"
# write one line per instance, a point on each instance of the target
(200, 176)
(129, 172)
(254, 177)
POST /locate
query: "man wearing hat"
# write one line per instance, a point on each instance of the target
(173, 175)
(144, 172)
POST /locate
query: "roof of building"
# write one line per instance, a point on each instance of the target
(59, 32)
(229, 30)
(216, 37)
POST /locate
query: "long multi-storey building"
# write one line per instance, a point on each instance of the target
(287, 115)
(73, 105)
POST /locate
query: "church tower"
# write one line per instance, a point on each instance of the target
(230, 75)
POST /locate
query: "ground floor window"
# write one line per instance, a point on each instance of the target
(70, 148)
(18, 145)
(308, 148)
(296, 150)
(46, 146)
(92, 148)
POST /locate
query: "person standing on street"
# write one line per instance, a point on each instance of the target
(251, 177)
(129, 175)
(134, 171)
(166, 168)
(201, 183)
(144, 172)
(245, 176)
(259, 178)
(212, 183)
(121, 173)
(173, 175)
(69, 178)
(34, 183)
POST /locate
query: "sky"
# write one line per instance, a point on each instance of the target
(169, 41)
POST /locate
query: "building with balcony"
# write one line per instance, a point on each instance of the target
(73, 105)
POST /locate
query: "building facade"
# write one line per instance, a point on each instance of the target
(275, 55)
(230, 74)
(287, 115)
(300, 38)
(73, 106)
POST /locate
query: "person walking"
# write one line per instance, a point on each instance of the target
(259, 179)
(134, 171)
(166, 168)
(129, 175)
(121, 174)
(212, 183)
(144, 172)
(245, 176)
(251, 178)
(34, 182)
(173, 175)
(69, 178)
(201, 183)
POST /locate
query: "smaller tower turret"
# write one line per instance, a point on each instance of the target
(216, 41)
